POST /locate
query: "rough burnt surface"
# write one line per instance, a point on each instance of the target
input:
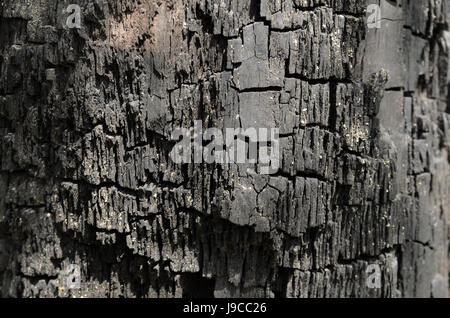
(85, 122)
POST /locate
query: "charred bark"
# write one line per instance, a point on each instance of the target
(86, 116)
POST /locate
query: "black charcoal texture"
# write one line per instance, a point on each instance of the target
(86, 116)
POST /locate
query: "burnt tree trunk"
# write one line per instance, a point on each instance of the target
(86, 116)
